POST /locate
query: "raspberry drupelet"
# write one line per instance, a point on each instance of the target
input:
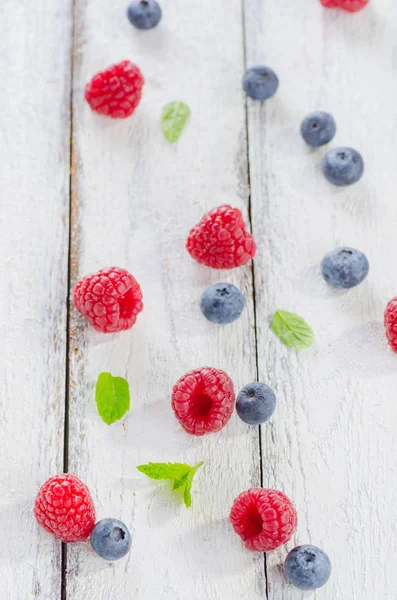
(264, 519)
(220, 240)
(203, 400)
(117, 91)
(110, 299)
(65, 508)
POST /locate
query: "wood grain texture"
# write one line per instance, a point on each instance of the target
(34, 175)
(331, 445)
(135, 198)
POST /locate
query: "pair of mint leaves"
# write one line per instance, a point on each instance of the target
(113, 400)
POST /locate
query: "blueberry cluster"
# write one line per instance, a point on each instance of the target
(341, 166)
(343, 267)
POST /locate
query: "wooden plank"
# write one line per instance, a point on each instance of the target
(135, 199)
(34, 174)
(331, 446)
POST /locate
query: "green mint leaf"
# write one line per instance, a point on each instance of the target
(173, 119)
(112, 397)
(187, 495)
(181, 474)
(292, 330)
(178, 483)
(164, 470)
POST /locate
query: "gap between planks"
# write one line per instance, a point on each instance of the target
(247, 141)
(64, 554)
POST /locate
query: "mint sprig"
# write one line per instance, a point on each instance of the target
(112, 396)
(292, 330)
(173, 119)
(180, 473)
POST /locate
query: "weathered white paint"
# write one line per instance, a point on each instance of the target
(34, 174)
(332, 444)
(135, 199)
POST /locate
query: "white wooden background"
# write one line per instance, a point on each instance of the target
(80, 192)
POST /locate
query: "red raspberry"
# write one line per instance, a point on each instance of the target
(329, 3)
(65, 508)
(349, 5)
(203, 400)
(117, 91)
(391, 324)
(220, 241)
(264, 519)
(352, 5)
(110, 300)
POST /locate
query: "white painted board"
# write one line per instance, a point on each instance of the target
(34, 177)
(331, 445)
(135, 198)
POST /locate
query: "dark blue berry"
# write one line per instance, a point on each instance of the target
(307, 567)
(318, 128)
(144, 14)
(260, 82)
(344, 267)
(110, 539)
(256, 403)
(343, 166)
(222, 303)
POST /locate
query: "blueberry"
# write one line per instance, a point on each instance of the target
(256, 403)
(144, 14)
(307, 567)
(260, 82)
(110, 539)
(222, 303)
(318, 128)
(344, 267)
(343, 166)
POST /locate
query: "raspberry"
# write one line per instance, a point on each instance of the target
(264, 519)
(65, 508)
(117, 91)
(220, 241)
(391, 324)
(349, 5)
(110, 300)
(352, 5)
(203, 400)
